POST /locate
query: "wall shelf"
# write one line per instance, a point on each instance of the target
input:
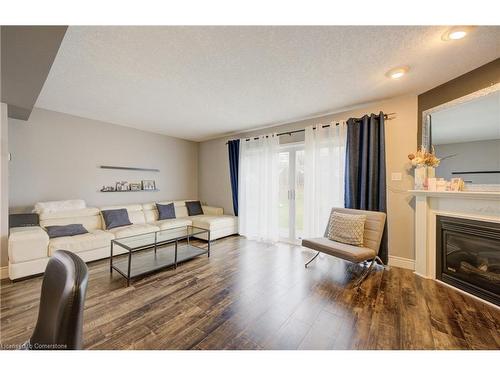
(130, 191)
(130, 168)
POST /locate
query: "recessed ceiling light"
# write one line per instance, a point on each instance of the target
(456, 33)
(459, 34)
(397, 73)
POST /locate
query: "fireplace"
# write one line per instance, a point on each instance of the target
(468, 256)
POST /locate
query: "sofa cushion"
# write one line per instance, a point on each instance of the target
(55, 231)
(151, 213)
(27, 243)
(165, 211)
(82, 242)
(214, 222)
(212, 211)
(83, 212)
(135, 212)
(351, 253)
(58, 206)
(115, 218)
(173, 223)
(194, 208)
(134, 229)
(89, 217)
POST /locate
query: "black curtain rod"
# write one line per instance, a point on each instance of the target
(386, 116)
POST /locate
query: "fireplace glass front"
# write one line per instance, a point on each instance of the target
(468, 256)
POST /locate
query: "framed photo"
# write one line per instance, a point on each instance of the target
(135, 186)
(457, 184)
(148, 185)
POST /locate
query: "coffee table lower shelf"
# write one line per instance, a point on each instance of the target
(147, 262)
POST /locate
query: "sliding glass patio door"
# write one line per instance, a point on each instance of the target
(291, 192)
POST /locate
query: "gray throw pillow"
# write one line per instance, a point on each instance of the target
(347, 228)
(165, 211)
(65, 230)
(194, 208)
(115, 218)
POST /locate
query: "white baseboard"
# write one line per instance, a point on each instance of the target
(401, 262)
(4, 272)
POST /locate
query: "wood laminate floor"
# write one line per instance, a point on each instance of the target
(250, 295)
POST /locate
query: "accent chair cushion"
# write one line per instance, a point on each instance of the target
(194, 208)
(351, 253)
(55, 231)
(346, 228)
(116, 218)
(165, 211)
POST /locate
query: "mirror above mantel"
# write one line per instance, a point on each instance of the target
(465, 135)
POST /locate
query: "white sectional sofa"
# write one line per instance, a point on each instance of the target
(30, 247)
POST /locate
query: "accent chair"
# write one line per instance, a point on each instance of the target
(372, 236)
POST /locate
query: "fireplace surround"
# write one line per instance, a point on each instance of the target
(481, 206)
(468, 256)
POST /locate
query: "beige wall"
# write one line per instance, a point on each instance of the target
(45, 168)
(401, 136)
(57, 156)
(4, 184)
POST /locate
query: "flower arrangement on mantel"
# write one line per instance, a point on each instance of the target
(424, 158)
(424, 162)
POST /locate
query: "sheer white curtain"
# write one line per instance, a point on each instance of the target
(258, 188)
(324, 169)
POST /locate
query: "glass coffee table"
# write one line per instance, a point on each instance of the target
(168, 247)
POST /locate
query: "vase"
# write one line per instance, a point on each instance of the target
(420, 177)
(431, 173)
(422, 174)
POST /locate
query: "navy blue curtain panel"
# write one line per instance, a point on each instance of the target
(233, 148)
(365, 184)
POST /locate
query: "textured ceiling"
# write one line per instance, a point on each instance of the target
(201, 82)
(476, 120)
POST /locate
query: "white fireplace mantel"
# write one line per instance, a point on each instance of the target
(458, 194)
(474, 205)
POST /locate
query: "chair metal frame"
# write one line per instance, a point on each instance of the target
(365, 272)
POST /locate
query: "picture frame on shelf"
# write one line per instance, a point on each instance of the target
(135, 186)
(122, 186)
(148, 185)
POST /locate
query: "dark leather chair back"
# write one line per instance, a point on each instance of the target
(60, 317)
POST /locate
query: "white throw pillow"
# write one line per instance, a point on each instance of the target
(57, 206)
(347, 228)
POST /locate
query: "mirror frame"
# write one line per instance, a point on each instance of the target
(426, 115)
(426, 126)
